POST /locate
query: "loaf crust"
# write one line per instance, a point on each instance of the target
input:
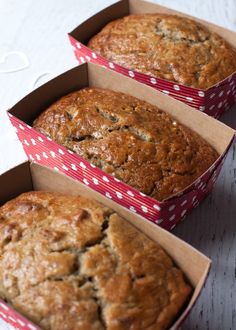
(70, 263)
(128, 138)
(167, 46)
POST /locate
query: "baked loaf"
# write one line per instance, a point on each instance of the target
(128, 138)
(167, 46)
(69, 263)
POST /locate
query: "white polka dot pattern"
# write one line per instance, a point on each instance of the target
(53, 154)
(221, 93)
(32, 327)
(201, 94)
(172, 207)
(212, 107)
(158, 221)
(172, 217)
(188, 98)
(209, 101)
(183, 212)
(105, 178)
(119, 195)
(130, 193)
(153, 81)
(65, 167)
(26, 142)
(176, 87)
(142, 194)
(21, 323)
(81, 164)
(86, 181)
(157, 207)
(61, 152)
(166, 214)
(111, 65)
(3, 306)
(95, 181)
(144, 209)
(73, 166)
(10, 320)
(132, 209)
(108, 195)
(131, 74)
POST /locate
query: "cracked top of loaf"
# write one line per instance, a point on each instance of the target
(70, 263)
(131, 139)
(167, 46)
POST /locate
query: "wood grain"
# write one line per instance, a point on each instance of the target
(38, 29)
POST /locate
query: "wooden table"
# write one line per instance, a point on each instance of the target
(37, 29)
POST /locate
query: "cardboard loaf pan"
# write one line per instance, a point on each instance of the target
(41, 149)
(29, 176)
(214, 101)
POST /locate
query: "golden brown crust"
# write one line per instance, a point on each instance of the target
(70, 263)
(128, 138)
(167, 46)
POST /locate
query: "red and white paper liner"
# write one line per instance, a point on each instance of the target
(13, 320)
(167, 214)
(213, 101)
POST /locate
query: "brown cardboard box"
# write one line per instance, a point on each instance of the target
(30, 176)
(44, 151)
(214, 101)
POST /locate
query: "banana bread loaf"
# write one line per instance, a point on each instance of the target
(69, 263)
(128, 138)
(167, 46)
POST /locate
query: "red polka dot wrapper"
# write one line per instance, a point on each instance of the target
(11, 320)
(213, 101)
(43, 150)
